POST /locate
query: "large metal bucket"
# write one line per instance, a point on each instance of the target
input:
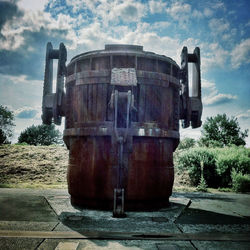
(122, 109)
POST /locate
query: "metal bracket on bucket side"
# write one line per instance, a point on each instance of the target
(118, 210)
(54, 103)
(123, 77)
(191, 107)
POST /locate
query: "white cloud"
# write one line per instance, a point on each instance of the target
(178, 8)
(158, 26)
(218, 5)
(180, 12)
(19, 91)
(208, 12)
(114, 11)
(79, 5)
(241, 54)
(211, 95)
(218, 99)
(157, 6)
(152, 42)
(35, 21)
(197, 14)
(218, 26)
(190, 133)
(32, 5)
(213, 55)
(229, 36)
(95, 36)
(28, 113)
(209, 86)
(244, 116)
(129, 11)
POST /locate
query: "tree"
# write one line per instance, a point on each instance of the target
(40, 135)
(222, 131)
(6, 124)
(186, 143)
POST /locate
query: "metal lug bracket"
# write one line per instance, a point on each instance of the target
(118, 211)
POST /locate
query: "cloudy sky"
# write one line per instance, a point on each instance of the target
(220, 28)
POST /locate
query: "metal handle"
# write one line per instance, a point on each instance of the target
(114, 104)
(53, 103)
(191, 107)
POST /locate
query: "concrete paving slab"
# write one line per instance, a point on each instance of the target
(19, 211)
(184, 245)
(67, 246)
(228, 206)
(125, 244)
(23, 243)
(15, 207)
(213, 245)
(102, 244)
(19, 244)
(208, 228)
(199, 216)
(208, 245)
(27, 225)
(224, 203)
(216, 209)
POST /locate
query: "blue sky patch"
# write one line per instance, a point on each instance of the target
(220, 28)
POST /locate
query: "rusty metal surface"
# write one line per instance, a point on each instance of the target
(123, 77)
(91, 132)
(127, 50)
(92, 172)
(103, 76)
(108, 131)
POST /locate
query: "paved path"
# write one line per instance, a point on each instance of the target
(45, 219)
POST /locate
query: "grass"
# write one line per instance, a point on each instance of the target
(225, 189)
(184, 189)
(33, 185)
(23, 166)
(43, 167)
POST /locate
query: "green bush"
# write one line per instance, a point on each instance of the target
(218, 164)
(191, 160)
(186, 143)
(240, 182)
(6, 125)
(202, 187)
(21, 144)
(40, 135)
(223, 131)
(230, 158)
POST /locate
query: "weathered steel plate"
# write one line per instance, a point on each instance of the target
(123, 77)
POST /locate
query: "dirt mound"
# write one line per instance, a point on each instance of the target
(30, 166)
(45, 166)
